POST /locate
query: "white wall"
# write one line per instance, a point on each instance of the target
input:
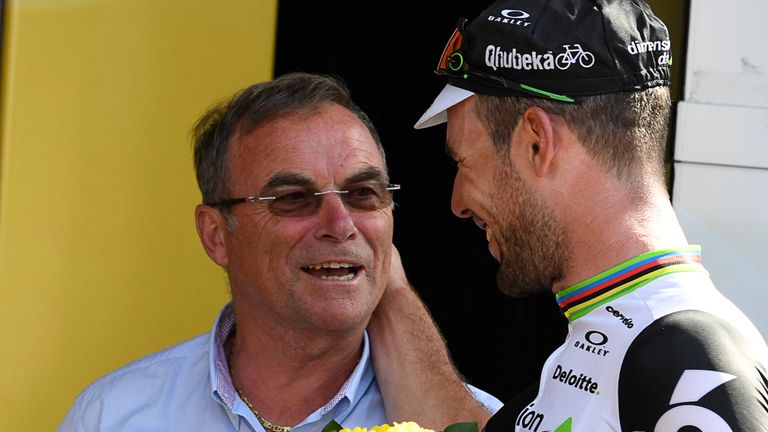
(721, 148)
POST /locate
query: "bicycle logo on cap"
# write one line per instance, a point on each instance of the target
(571, 55)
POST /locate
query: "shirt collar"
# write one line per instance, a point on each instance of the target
(578, 300)
(221, 382)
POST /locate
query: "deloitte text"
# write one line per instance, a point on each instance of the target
(580, 381)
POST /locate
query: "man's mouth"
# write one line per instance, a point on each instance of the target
(334, 271)
(484, 226)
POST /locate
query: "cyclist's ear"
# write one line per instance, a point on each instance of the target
(535, 136)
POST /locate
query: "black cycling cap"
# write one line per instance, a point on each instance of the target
(554, 49)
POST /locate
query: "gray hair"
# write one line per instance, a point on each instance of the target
(252, 107)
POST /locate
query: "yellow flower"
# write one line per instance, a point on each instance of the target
(356, 429)
(408, 427)
(396, 427)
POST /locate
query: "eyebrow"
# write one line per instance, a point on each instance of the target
(290, 178)
(367, 174)
(287, 179)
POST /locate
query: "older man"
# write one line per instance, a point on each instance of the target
(297, 208)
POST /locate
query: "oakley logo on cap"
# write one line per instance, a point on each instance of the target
(515, 14)
(512, 16)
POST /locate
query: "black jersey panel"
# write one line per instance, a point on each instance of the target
(506, 419)
(691, 370)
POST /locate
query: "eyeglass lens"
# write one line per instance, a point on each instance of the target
(299, 202)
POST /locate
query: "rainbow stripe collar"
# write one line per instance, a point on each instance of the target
(578, 300)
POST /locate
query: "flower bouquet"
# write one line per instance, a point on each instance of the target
(334, 426)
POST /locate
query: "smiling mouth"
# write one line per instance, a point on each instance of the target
(333, 271)
(484, 226)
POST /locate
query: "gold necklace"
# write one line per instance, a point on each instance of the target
(268, 425)
(264, 422)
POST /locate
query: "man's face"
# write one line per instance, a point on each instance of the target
(523, 232)
(320, 272)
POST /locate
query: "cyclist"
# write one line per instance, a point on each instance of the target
(563, 169)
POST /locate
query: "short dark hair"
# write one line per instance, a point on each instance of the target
(254, 106)
(626, 132)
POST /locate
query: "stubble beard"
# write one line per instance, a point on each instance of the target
(532, 242)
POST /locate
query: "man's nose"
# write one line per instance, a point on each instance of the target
(458, 207)
(335, 219)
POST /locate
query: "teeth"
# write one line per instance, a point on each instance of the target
(339, 278)
(330, 265)
(488, 233)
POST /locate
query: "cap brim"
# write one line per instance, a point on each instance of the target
(437, 112)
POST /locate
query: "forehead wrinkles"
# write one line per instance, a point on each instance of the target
(351, 158)
(308, 127)
(322, 147)
(297, 178)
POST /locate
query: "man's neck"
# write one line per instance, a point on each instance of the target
(628, 225)
(286, 377)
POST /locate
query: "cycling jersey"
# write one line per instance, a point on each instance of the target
(651, 346)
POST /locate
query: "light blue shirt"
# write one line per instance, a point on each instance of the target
(187, 387)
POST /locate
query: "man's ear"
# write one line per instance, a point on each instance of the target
(539, 138)
(211, 228)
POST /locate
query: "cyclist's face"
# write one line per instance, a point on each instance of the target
(531, 240)
(473, 188)
(522, 231)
